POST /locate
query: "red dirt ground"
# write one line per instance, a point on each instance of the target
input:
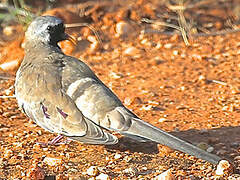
(190, 91)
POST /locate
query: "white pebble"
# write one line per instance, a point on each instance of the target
(52, 161)
(92, 171)
(162, 120)
(117, 156)
(132, 51)
(223, 165)
(9, 30)
(146, 107)
(166, 175)
(210, 149)
(103, 177)
(175, 52)
(168, 46)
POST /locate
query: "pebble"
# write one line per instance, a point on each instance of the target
(117, 156)
(132, 51)
(162, 120)
(9, 30)
(128, 101)
(202, 145)
(8, 153)
(166, 175)
(210, 149)
(95, 45)
(52, 161)
(115, 75)
(132, 171)
(103, 176)
(223, 167)
(146, 107)
(11, 65)
(92, 171)
(123, 28)
(168, 46)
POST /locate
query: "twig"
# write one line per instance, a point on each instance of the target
(183, 26)
(218, 33)
(89, 26)
(159, 23)
(3, 97)
(219, 82)
(20, 11)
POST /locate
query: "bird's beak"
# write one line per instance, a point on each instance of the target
(70, 38)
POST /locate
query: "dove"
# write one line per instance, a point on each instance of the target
(62, 94)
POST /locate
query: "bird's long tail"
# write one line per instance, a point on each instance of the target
(148, 131)
(140, 130)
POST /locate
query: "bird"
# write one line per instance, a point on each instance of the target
(61, 94)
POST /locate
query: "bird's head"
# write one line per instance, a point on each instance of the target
(47, 30)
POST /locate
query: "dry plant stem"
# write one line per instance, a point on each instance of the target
(89, 26)
(219, 33)
(21, 11)
(159, 23)
(183, 26)
(3, 97)
(219, 82)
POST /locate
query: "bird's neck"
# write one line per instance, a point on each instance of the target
(36, 46)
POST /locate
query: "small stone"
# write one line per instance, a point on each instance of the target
(146, 107)
(223, 168)
(166, 175)
(210, 149)
(115, 75)
(202, 145)
(117, 156)
(159, 45)
(132, 51)
(103, 177)
(168, 46)
(175, 52)
(8, 153)
(128, 101)
(201, 78)
(123, 28)
(11, 65)
(162, 120)
(52, 161)
(127, 158)
(9, 30)
(95, 45)
(132, 171)
(92, 171)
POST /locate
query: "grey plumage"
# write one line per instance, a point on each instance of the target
(62, 94)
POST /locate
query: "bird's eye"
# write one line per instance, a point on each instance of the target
(49, 28)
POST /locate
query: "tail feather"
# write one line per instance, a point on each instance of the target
(148, 131)
(130, 125)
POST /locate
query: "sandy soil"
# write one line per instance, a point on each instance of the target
(190, 91)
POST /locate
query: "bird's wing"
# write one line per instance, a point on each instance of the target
(100, 104)
(39, 93)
